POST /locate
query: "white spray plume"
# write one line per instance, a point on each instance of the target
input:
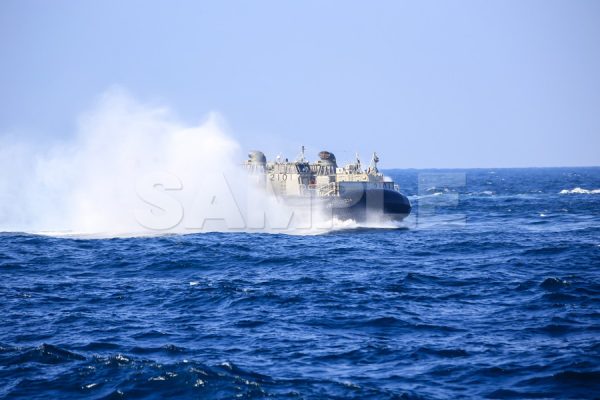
(91, 183)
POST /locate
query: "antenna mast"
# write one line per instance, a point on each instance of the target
(301, 158)
(374, 162)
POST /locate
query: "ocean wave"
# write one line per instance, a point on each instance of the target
(442, 353)
(482, 193)
(43, 354)
(553, 284)
(123, 376)
(579, 190)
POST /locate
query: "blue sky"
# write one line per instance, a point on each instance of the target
(425, 83)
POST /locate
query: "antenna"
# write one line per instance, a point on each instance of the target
(374, 162)
(301, 158)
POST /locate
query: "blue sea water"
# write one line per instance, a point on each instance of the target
(501, 302)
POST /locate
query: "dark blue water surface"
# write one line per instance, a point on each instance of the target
(502, 303)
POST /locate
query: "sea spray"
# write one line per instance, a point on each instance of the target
(133, 169)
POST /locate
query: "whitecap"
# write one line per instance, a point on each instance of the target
(227, 365)
(122, 358)
(579, 190)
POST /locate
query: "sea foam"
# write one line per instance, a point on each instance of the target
(579, 190)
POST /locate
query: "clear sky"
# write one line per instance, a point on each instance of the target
(425, 83)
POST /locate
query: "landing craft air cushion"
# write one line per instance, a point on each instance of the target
(349, 192)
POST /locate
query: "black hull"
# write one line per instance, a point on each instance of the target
(371, 205)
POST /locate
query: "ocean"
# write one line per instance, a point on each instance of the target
(491, 289)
